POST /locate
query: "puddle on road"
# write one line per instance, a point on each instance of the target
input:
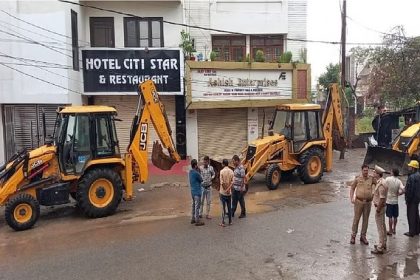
(399, 270)
(293, 194)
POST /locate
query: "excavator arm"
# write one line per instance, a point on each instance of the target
(332, 120)
(150, 109)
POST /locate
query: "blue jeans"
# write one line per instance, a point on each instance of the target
(195, 207)
(226, 201)
(205, 195)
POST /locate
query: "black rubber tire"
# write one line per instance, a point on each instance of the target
(303, 169)
(11, 205)
(84, 202)
(287, 175)
(273, 170)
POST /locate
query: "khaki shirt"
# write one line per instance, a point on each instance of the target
(226, 181)
(381, 191)
(364, 187)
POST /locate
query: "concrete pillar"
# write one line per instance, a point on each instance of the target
(192, 133)
(252, 124)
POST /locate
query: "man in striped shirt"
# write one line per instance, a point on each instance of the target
(238, 187)
(208, 174)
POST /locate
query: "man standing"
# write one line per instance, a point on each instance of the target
(226, 183)
(364, 186)
(379, 200)
(395, 188)
(195, 184)
(238, 187)
(412, 198)
(207, 173)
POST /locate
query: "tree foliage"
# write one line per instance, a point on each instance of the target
(332, 75)
(187, 44)
(395, 70)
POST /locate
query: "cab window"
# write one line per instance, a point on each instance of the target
(103, 137)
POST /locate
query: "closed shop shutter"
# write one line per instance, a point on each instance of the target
(126, 106)
(50, 118)
(222, 133)
(269, 113)
(24, 126)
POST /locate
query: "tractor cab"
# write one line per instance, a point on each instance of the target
(299, 123)
(85, 133)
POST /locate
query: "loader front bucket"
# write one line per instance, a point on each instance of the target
(160, 159)
(387, 159)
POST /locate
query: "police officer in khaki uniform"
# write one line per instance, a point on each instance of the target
(364, 186)
(379, 200)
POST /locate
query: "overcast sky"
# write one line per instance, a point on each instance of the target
(324, 23)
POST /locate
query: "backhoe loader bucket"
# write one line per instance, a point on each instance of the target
(387, 159)
(217, 167)
(160, 159)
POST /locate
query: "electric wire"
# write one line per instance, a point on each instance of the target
(35, 42)
(40, 27)
(209, 28)
(39, 79)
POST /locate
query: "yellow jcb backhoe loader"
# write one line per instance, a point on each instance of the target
(83, 160)
(403, 148)
(300, 139)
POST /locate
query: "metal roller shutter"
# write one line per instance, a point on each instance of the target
(24, 126)
(269, 111)
(50, 118)
(126, 107)
(222, 132)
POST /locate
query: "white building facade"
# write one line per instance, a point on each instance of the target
(38, 71)
(45, 47)
(42, 47)
(224, 113)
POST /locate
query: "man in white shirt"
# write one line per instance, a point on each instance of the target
(395, 188)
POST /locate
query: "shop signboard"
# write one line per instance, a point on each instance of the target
(120, 71)
(240, 84)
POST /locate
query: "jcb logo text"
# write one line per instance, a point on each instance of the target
(143, 136)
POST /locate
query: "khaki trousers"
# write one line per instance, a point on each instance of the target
(361, 208)
(380, 224)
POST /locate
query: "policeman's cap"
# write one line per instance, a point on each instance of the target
(379, 169)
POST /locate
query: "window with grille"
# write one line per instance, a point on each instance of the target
(143, 32)
(229, 48)
(271, 45)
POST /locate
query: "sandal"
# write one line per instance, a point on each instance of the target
(388, 233)
(222, 225)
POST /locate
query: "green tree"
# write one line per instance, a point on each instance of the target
(332, 75)
(395, 74)
(187, 44)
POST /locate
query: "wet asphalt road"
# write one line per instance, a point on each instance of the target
(296, 232)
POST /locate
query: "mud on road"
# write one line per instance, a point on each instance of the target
(166, 197)
(295, 232)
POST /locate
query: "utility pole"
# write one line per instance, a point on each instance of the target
(343, 65)
(343, 46)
